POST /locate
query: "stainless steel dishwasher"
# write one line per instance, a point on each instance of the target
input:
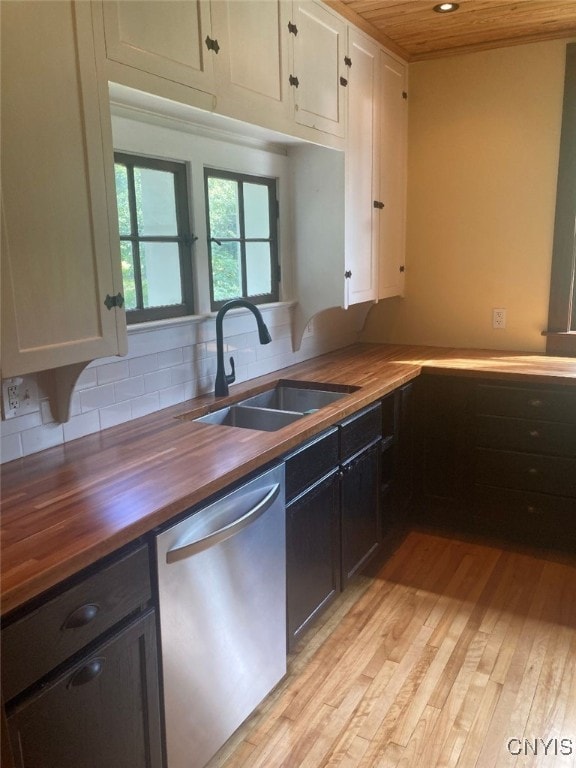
(222, 591)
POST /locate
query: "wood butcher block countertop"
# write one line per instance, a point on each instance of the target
(65, 508)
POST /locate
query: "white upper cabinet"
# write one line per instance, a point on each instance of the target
(362, 169)
(251, 66)
(318, 49)
(60, 254)
(392, 149)
(172, 40)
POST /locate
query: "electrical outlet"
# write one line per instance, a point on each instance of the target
(499, 318)
(19, 396)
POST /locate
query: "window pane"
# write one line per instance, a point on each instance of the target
(160, 266)
(258, 270)
(226, 271)
(127, 259)
(256, 211)
(155, 202)
(122, 199)
(223, 208)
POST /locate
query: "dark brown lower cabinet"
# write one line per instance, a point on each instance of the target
(102, 711)
(498, 458)
(312, 554)
(360, 510)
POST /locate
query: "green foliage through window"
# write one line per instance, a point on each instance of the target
(242, 237)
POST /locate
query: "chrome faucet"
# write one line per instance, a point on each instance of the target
(223, 378)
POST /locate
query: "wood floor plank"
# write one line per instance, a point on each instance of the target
(441, 658)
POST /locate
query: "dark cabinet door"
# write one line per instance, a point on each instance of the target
(360, 510)
(103, 711)
(312, 554)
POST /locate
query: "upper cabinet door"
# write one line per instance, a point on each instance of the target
(250, 66)
(393, 174)
(61, 255)
(362, 169)
(319, 47)
(169, 39)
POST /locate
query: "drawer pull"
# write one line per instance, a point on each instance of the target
(534, 433)
(81, 616)
(87, 673)
(535, 402)
(532, 471)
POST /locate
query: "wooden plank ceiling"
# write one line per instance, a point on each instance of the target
(414, 31)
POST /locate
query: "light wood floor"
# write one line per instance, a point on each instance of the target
(455, 654)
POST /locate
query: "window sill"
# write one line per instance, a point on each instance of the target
(195, 319)
(560, 343)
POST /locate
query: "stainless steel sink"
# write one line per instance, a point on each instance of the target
(278, 406)
(299, 396)
(250, 418)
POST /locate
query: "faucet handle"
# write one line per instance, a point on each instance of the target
(231, 377)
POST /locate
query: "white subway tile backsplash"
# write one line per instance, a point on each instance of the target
(129, 388)
(39, 438)
(106, 374)
(153, 382)
(79, 426)
(97, 397)
(168, 364)
(144, 364)
(116, 414)
(141, 406)
(11, 447)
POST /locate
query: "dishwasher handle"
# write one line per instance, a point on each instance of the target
(179, 552)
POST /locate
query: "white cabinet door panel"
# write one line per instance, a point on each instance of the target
(60, 256)
(393, 152)
(362, 170)
(166, 38)
(318, 63)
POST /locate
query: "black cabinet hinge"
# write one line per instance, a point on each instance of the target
(114, 301)
(343, 81)
(404, 94)
(293, 81)
(402, 268)
(348, 274)
(292, 28)
(348, 61)
(212, 45)
(378, 204)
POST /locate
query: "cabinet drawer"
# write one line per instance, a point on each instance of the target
(48, 635)
(103, 710)
(527, 471)
(311, 462)
(360, 430)
(536, 518)
(541, 404)
(526, 435)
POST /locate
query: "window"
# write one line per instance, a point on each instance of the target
(155, 241)
(242, 237)
(561, 336)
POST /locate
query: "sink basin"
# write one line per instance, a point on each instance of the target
(250, 418)
(299, 396)
(278, 406)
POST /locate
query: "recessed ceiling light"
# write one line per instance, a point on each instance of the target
(446, 7)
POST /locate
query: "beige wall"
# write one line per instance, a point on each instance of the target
(484, 133)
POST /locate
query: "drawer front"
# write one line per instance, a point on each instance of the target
(360, 430)
(547, 437)
(535, 518)
(527, 471)
(44, 638)
(313, 461)
(540, 404)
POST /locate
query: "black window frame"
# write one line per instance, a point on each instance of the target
(561, 333)
(183, 238)
(271, 184)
